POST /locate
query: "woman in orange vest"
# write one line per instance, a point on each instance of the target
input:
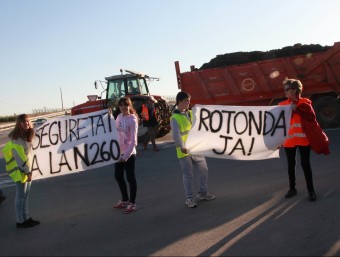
(297, 137)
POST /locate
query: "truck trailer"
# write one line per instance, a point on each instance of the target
(260, 83)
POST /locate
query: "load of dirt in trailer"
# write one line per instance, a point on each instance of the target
(237, 58)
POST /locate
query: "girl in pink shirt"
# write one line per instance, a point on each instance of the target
(127, 126)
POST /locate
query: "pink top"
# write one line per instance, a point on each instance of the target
(127, 127)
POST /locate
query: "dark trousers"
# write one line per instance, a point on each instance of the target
(305, 164)
(150, 137)
(129, 168)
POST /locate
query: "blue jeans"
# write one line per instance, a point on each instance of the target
(188, 165)
(21, 201)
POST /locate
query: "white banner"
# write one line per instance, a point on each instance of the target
(71, 144)
(238, 132)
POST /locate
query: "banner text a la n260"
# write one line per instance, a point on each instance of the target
(74, 143)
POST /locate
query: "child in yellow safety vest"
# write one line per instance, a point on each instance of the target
(181, 123)
(17, 155)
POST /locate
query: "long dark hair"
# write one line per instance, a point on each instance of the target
(19, 132)
(127, 101)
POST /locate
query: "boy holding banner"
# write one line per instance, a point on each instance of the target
(181, 123)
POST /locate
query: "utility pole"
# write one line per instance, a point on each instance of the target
(62, 103)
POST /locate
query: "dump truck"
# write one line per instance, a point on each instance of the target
(135, 85)
(252, 82)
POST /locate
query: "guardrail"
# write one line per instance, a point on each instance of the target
(170, 98)
(9, 125)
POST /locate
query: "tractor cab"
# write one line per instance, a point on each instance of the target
(131, 84)
(126, 85)
(135, 86)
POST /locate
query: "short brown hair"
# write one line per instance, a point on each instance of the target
(181, 96)
(293, 83)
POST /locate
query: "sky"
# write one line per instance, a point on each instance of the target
(52, 51)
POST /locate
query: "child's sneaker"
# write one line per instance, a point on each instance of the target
(131, 208)
(205, 196)
(121, 204)
(191, 203)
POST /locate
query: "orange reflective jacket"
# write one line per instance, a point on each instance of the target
(145, 112)
(296, 135)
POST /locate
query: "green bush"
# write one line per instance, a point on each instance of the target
(8, 119)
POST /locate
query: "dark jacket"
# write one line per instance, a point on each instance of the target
(153, 121)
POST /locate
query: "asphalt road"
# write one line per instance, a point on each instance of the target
(250, 216)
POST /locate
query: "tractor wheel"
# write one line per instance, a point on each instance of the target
(163, 114)
(327, 111)
(143, 132)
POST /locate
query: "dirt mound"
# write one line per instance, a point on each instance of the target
(255, 56)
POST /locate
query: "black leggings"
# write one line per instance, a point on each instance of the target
(129, 167)
(305, 164)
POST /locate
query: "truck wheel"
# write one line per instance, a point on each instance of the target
(327, 111)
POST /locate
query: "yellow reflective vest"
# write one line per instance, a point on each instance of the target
(12, 167)
(184, 128)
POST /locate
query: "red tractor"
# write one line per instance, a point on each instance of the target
(135, 86)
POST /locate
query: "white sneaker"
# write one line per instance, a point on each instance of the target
(131, 208)
(191, 203)
(121, 204)
(205, 196)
